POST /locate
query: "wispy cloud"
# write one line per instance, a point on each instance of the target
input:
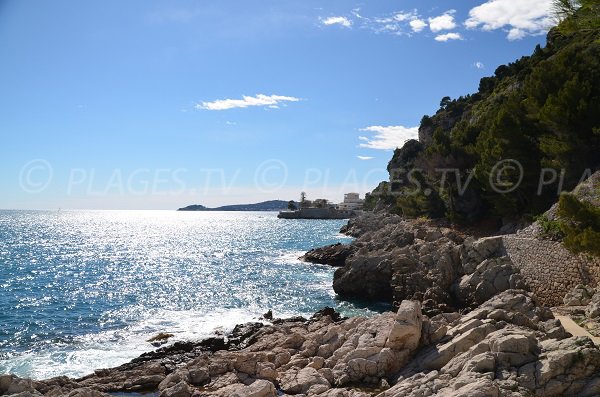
(520, 18)
(337, 21)
(448, 36)
(397, 23)
(479, 65)
(270, 101)
(365, 158)
(442, 22)
(388, 137)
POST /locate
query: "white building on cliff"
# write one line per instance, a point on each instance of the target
(352, 201)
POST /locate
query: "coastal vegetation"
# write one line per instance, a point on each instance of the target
(531, 131)
(580, 224)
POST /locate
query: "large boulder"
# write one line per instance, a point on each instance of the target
(332, 255)
(490, 277)
(366, 277)
(402, 260)
(509, 346)
(592, 311)
(406, 331)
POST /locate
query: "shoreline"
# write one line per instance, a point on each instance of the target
(389, 354)
(117, 335)
(426, 340)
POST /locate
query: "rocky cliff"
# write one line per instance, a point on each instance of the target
(541, 112)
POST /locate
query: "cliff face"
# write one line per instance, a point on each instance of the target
(542, 112)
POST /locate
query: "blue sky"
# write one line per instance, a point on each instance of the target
(156, 105)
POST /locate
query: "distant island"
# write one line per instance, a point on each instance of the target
(271, 205)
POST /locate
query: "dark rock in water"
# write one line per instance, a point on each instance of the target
(332, 255)
(327, 312)
(242, 335)
(268, 315)
(160, 339)
(213, 344)
(177, 349)
(295, 319)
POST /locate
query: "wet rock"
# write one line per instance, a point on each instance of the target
(332, 255)
(160, 339)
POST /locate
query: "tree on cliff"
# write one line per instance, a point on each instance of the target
(543, 111)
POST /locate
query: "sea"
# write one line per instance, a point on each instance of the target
(82, 290)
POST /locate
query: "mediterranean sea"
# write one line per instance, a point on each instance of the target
(82, 290)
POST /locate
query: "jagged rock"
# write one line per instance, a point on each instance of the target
(11, 385)
(332, 255)
(364, 276)
(268, 315)
(489, 278)
(406, 332)
(87, 393)
(303, 381)
(401, 260)
(581, 295)
(477, 251)
(494, 351)
(592, 311)
(508, 346)
(180, 389)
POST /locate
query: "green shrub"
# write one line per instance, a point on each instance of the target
(580, 224)
(550, 228)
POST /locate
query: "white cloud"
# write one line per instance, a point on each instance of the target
(365, 157)
(521, 18)
(271, 101)
(448, 36)
(417, 25)
(479, 65)
(404, 16)
(516, 34)
(400, 23)
(388, 138)
(443, 22)
(337, 21)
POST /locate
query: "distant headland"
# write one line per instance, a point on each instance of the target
(271, 205)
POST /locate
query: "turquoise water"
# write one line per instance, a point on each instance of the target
(81, 290)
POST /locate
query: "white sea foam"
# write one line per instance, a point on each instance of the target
(74, 300)
(112, 348)
(290, 257)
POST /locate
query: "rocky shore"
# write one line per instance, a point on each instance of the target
(464, 324)
(508, 346)
(395, 259)
(472, 317)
